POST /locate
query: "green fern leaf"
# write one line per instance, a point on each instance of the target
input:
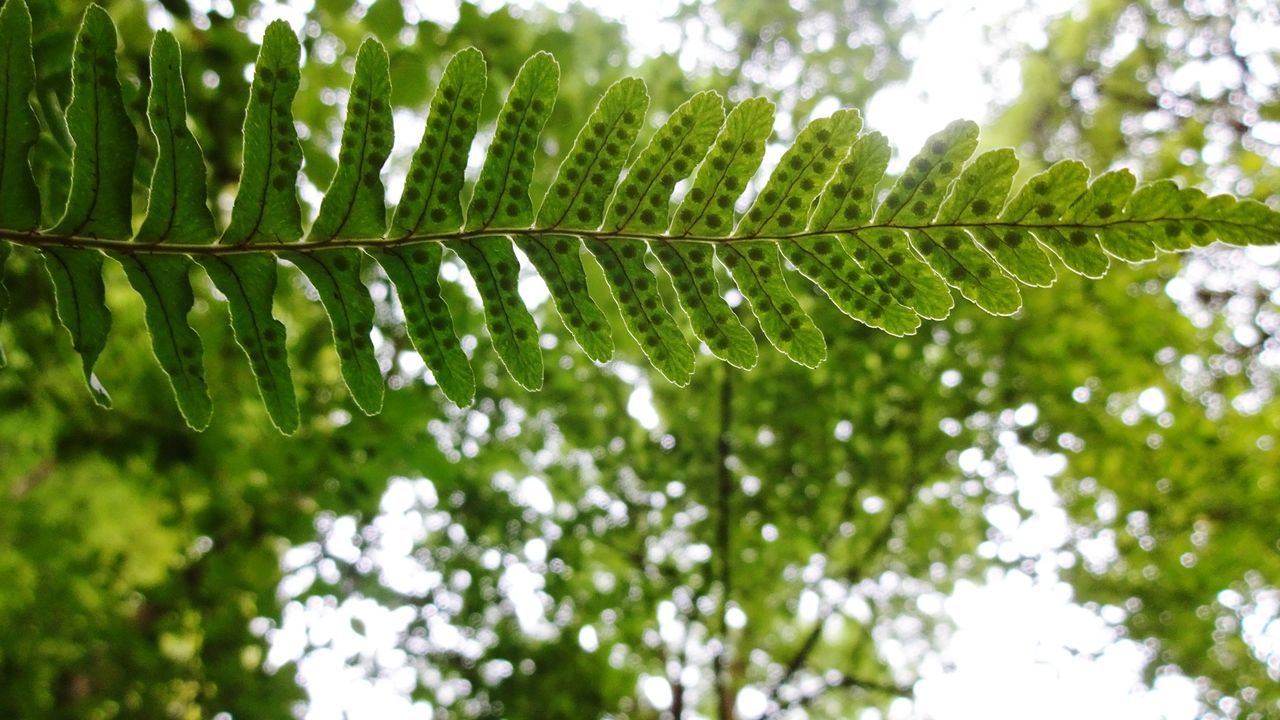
(81, 302)
(976, 200)
(415, 273)
(1169, 235)
(1039, 205)
(755, 265)
(821, 257)
(1135, 225)
(577, 200)
(266, 207)
(784, 205)
(1107, 192)
(19, 200)
(912, 282)
(335, 274)
(265, 210)
(249, 284)
(164, 283)
(100, 201)
(1171, 219)
(887, 262)
(951, 252)
(861, 289)
(430, 203)
(177, 206)
(176, 212)
(1239, 222)
(353, 208)
(501, 199)
(642, 203)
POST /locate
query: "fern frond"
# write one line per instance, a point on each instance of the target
(885, 258)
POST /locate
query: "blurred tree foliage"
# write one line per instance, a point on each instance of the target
(143, 562)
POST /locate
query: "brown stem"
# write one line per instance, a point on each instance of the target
(724, 549)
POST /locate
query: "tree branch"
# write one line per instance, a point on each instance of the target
(845, 682)
(724, 549)
(852, 574)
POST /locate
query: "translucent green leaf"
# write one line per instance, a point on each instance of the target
(51, 164)
(266, 210)
(100, 201)
(164, 283)
(1167, 217)
(177, 211)
(642, 203)
(847, 200)
(496, 272)
(177, 205)
(249, 284)
(575, 201)
(885, 258)
(81, 301)
(19, 201)
(643, 198)
(501, 195)
(415, 272)
(430, 201)
(1043, 201)
(714, 322)
(918, 194)
(354, 205)
(1240, 222)
(1098, 205)
(967, 268)
(707, 209)
(975, 201)
(635, 287)
(909, 279)
(589, 171)
(266, 206)
(951, 252)
(1134, 223)
(1173, 235)
(757, 269)
(557, 260)
(783, 206)
(335, 274)
(824, 260)
(845, 203)
(501, 198)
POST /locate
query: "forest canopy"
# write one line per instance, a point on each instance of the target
(654, 533)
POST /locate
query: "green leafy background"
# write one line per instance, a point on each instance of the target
(140, 553)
